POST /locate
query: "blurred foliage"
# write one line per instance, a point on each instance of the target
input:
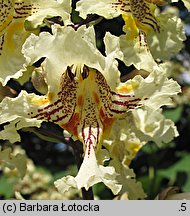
(156, 167)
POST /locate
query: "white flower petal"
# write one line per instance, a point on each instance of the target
(187, 4)
(68, 47)
(127, 179)
(151, 125)
(15, 112)
(113, 51)
(13, 33)
(123, 146)
(156, 87)
(47, 9)
(103, 8)
(170, 39)
(90, 173)
(136, 54)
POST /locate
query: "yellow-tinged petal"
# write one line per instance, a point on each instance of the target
(130, 26)
(82, 99)
(127, 179)
(187, 4)
(17, 118)
(13, 33)
(170, 40)
(123, 146)
(149, 35)
(140, 10)
(90, 173)
(137, 53)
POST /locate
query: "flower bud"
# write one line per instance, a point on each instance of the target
(38, 80)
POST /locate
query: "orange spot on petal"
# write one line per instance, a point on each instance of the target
(96, 98)
(40, 102)
(72, 125)
(107, 123)
(125, 88)
(50, 96)
(80, 101)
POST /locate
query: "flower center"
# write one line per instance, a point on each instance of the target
(85, 105)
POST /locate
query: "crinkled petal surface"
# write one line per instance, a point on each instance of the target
(135, 54)
(151, 125)
(123, 145)
(142, 49)
(159, 90)
(13, 33)
(89, 174)
(46, 9)
(14, 111)
(127, 179)
(68, 47)
(103, 8)
(70, 102)
(170, 39)
(156, 87)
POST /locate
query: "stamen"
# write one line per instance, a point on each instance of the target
(85, 72)
(70, 73)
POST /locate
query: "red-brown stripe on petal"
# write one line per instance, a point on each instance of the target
(23, 10)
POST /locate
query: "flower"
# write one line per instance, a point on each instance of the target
(149, 34)
(132, 132)
(80, 97)
(89, 174)
(123, 145)
(84, 96)
(13, 33)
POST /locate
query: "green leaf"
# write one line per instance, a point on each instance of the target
(174, 114)
(179, 172)
(6, 187)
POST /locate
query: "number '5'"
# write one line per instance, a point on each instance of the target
(183, 206)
